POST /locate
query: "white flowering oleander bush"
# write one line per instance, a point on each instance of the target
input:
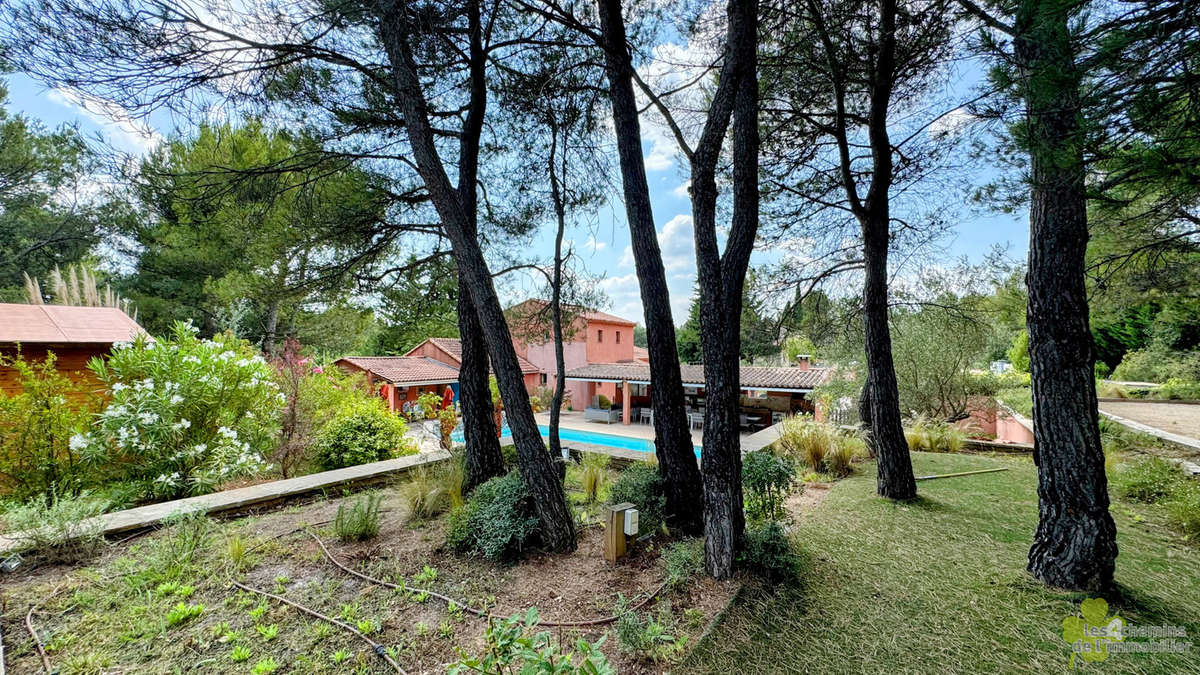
(184, 414)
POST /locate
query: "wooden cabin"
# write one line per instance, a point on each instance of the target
(73, 334)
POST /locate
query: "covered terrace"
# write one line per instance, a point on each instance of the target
(768, 393)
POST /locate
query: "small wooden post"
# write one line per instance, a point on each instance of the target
(614, 532)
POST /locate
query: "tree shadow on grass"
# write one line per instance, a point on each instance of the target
(1145, 609)
(925, 503)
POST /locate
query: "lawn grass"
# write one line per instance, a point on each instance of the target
(939, 585)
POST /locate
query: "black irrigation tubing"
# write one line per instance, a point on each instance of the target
(477, 612)
(375, 646)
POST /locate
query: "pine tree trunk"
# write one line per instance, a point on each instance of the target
(272, 326)
(456, 208)
(722, 280)
(483, 459)
(895, 475)
(560, 365)
(1075, 543)
(672, 436)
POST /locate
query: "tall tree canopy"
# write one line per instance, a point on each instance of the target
(249, 214)
(52, 208)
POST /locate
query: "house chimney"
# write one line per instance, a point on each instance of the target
(804, 361)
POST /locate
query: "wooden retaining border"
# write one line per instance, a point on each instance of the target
(241, 499)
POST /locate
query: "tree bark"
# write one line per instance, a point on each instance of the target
(483, 459)
(272, 326)
(881, 400)
(1075, 543)
(672, 436)
(721, 282)
(457, 212)
(560, 364)
(895, 478)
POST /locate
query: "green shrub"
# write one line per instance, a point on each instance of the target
(497, 522)
(1178, 389)
(185, 414)
(314, 394)
(1158, 365)
(685, 561)
(42, 446)
(1018, 354)
(604, 403)
(926, 435)
(361, 431)
(840, 461)
(1183, 508)
(767, 480)
(542, 398)
(646, 637)
(593, 474)
(1020, 399)
(514, 647)
(62, 529)
(359, 522)
(1148, 479)
(640, 484)
(807, 441)
(425, 493)
(768, 552)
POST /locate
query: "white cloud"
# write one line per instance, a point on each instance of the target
(675, 240)
(951, 123)
(682, 69)
(595, 245)
(626, 296)
(681, 190)
(110, 117)
(626, 261)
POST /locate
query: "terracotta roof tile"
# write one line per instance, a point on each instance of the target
(533, 305)
(61, 324)
(405, 369)
(752, 377)
(453, 347)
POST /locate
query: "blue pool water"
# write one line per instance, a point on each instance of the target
(590, 437)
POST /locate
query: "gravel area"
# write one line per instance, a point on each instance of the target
(1177, 418)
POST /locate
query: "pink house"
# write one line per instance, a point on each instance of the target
(591, 338)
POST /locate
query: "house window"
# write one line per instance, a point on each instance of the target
(543, 379)
(600, 336)
(618, 337)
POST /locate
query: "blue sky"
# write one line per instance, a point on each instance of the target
(602, 246)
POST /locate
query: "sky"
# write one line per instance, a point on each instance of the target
(602, 246)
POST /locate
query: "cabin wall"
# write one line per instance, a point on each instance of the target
(70, 361)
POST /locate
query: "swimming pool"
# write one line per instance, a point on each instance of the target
(589, 437)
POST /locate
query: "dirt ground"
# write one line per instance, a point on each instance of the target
(1177, 418)
(107, 615)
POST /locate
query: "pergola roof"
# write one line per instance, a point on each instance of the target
(405, 370)
(752, 377)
